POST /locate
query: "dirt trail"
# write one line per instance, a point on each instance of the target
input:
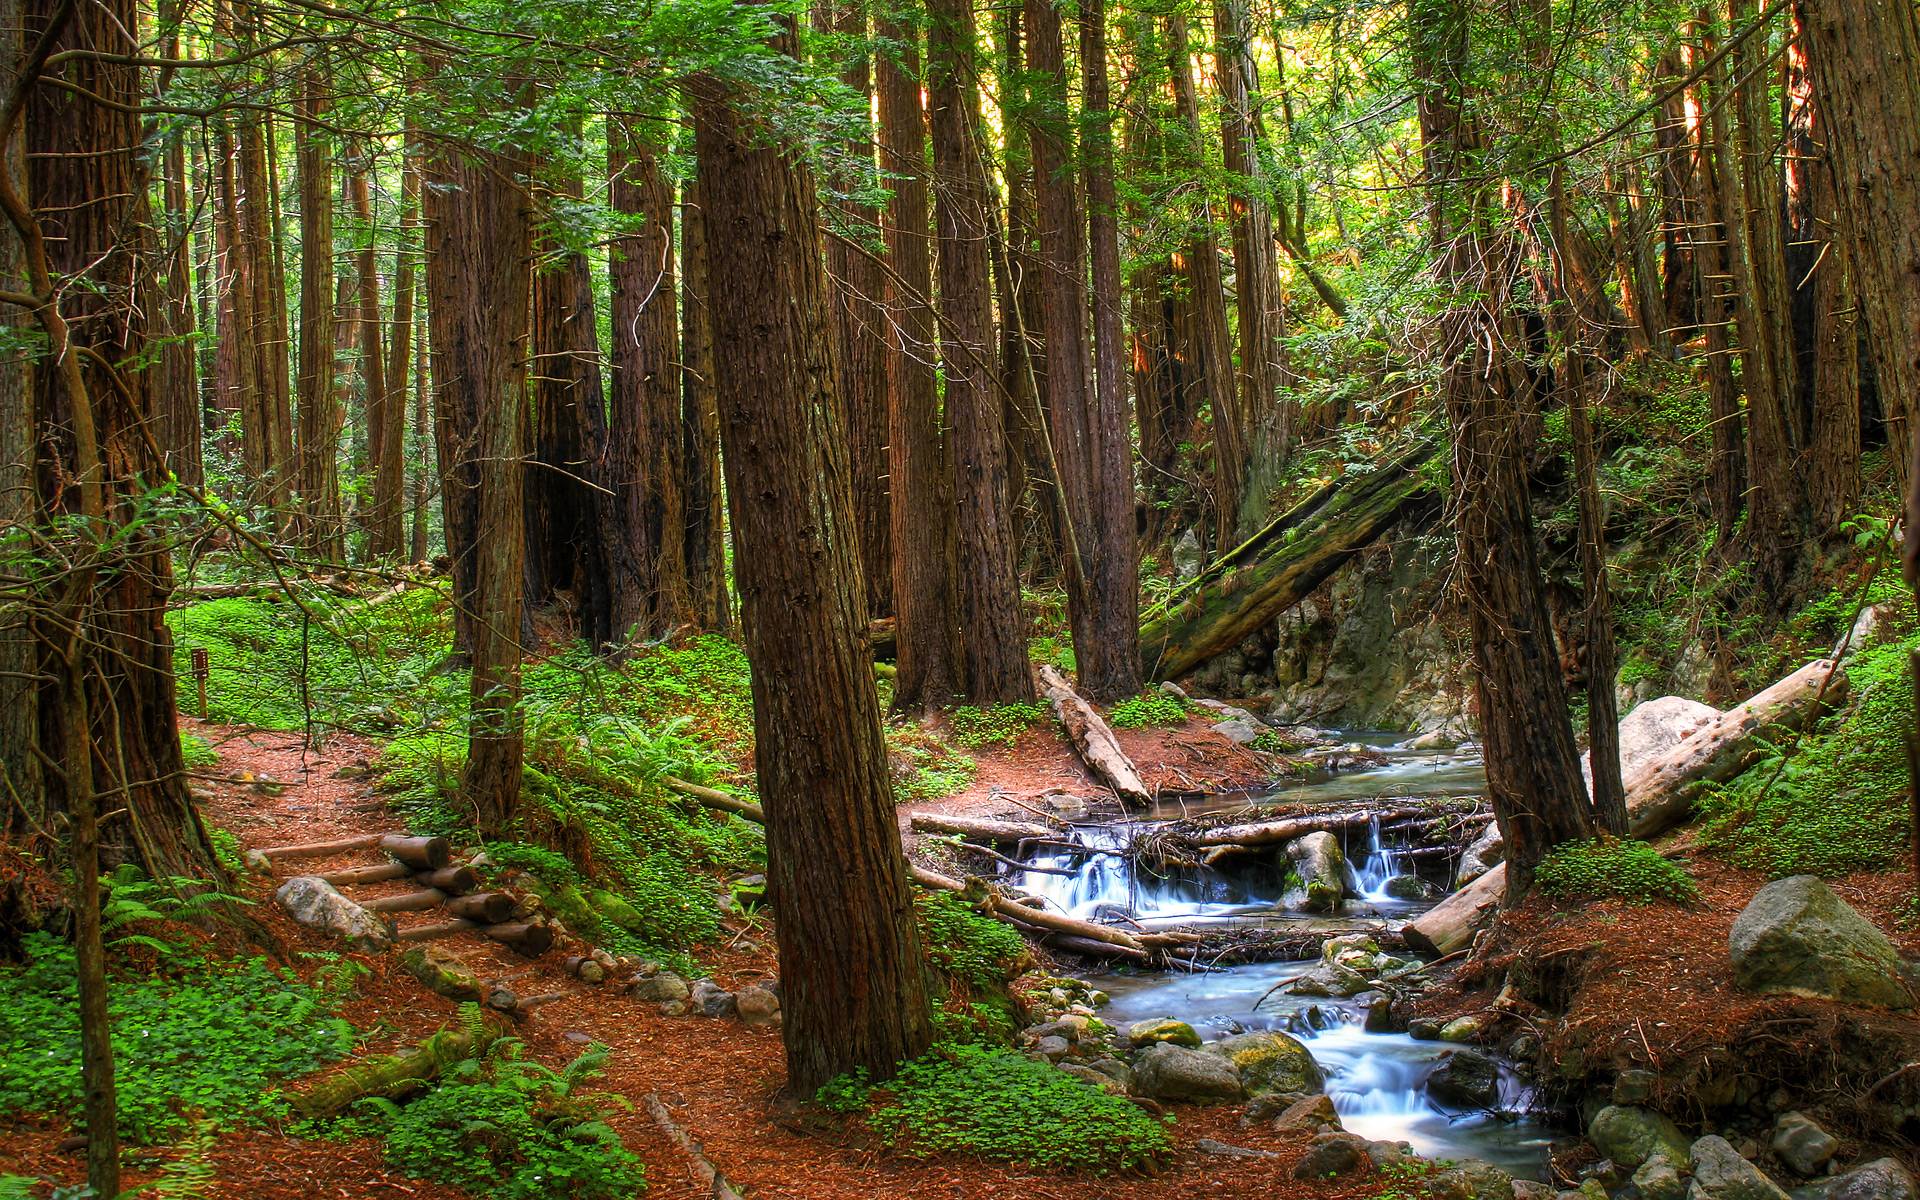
(719, 1078)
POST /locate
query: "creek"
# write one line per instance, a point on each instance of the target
(1376, 1080)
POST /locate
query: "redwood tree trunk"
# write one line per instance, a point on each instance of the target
(385, 406)
(705, 497)
(852, 974)
(990, 624)
(319, 412)
(918, 481)
(479, 249)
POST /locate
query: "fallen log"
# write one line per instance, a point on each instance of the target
(1245, 589)
(983, 829)
(1093, 949)
(716, 1184)
(1014, 912)
(1093, 739)
(364, 841)
(715, 798)
(1660, 794)
(406, 901)
(392, 1075)
(1285, 829)
(454, 881)
(490, 908)
(355, 876)
(420, 853)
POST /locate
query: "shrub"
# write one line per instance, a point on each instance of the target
(1600, 867)
(969, 946)
(1149, 708)
(196, 753)
(926, 768)
(1002, 724)
(204, 1039)
(513, 1130)
(996, 1104)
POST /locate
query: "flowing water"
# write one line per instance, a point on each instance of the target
(1374, 1079)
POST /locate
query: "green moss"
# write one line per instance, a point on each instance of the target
(1601, 867)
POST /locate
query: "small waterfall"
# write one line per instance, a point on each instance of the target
(1381, 864)
(1102, 881)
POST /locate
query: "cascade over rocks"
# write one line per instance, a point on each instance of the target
(1797, 937)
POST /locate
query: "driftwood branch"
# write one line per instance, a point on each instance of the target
(1093, 738)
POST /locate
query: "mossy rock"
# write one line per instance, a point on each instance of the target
(1270, 1062)
(442, 973)
(1163, 1029)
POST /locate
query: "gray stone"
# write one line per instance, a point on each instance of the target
(1115, 1070)
(1425, 1029)
(1332, 1155)
(1226, 1150)
(1462, 1029)
(1802, 1144)
(1659, 1179)
(1467, 1078)
(1239, 731)
(1315, 1114)
(1485, 853)
(1379, 1009)
(1164, 1071)
(1797, 937)
(1881, 1179)
(1321, 867)
(1630, 1136)
(1270, 1062)
(1330, 979)
(1472, 1179)
(664, 987)
(1719, 1173)
(709, 999)
(1390, 1154)
(1189, 558)
(1094, 1079)
(1530, 1189)
(1653, 729)
(1053, 1049)
(1162, 1029)
(317, 904)
(1409, 887)
(442, 973)
(1633, 1086)
(757, 1006)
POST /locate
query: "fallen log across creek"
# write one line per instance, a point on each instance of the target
(1660, 794)
(984, 829)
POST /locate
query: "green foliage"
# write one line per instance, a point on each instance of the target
(846, 1094)
(968, 945)
(227, 850)
(1055, 649)
(707, 678)
(1149, 708)
(1834, 800)
(206, 1039)
(995, 1104)
(511, 1129)
(1600, 867)
(1273, 741)
(925, 767)
(196, 753)
(1001, 724)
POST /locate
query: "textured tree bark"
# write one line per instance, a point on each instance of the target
(1826, 332)
(1097, 508)
(920, 486)
(853, 983)
(319, 412)
(1533, 764)
(399, 359)
(567, 526)
(177, 367)
(1256, 267)
(990, 625)
(385, 408)
(648, 534)
(479, 252)
(1712, 263)
(1680, 183)
(1212, 341)
(705, 496)
(1865, 61)
(860, 324)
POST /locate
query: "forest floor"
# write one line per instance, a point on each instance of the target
(720, 1079)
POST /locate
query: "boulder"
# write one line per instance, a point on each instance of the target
(1330, 979)
(1462, 1029)
(1321, 867)
(1332, 1155)
(442, 973)
(317, 904)
(1115, 1070)
(1881, 1179)
(1797, 937)
(1659, 1179)
(1467, 1079)
(1241, 731)
(1315, 1114)
(1630, 1136)
(1098, 1080)
(1162, 1029)
(1482, 855)
(1270, 1062)
(1409, 887)
(1719, 1173)
(1164, 1071)
(662, 988)
(757, 1006)
(1471, 1179)
(1053, 1049)
(709, 999)
(1379, 1009)
(1652, 729)
(1802, 1144)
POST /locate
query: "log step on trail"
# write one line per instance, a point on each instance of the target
(1276, 568)
(1093, 738)
(418, 853)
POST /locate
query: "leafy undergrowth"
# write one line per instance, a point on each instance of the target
(1833, 801)
(994, 725)
(990, 1103)
(1147, 709)
(977, 957)
(194, 1039)
(1632, 870)
(925, 767)
(507, 1128)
